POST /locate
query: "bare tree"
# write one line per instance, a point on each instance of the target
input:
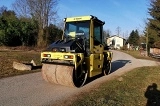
(118, 30)
(43, 11)
(21, 8)
(60, 24)
(2, 9)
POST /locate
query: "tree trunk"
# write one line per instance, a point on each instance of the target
(41, 42)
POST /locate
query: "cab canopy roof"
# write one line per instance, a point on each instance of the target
(83, 18)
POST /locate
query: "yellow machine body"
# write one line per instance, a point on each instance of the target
(90, 62)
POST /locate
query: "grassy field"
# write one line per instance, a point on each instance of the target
(137, 55)
(7, 58)
(131, 90)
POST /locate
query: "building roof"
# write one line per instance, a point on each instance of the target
(116, 36)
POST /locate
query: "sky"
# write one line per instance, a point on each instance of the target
(128, 15)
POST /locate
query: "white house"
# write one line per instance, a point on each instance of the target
(116, 41)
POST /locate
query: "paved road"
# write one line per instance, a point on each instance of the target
(32, 90)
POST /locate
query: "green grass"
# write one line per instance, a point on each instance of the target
(128, 92)
(7, 58)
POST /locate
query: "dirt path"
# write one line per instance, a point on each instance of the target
(32, 90)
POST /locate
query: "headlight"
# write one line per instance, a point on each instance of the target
(68, 56)
(62, 49)
(46, 55)
(54, 50)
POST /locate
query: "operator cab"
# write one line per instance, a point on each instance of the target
(88, 30)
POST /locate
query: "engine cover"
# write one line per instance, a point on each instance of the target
(72, 45)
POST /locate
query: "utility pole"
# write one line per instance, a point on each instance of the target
(147, 43)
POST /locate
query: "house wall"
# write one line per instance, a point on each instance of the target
(119, 42)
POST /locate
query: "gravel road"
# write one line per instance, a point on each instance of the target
(32, 90)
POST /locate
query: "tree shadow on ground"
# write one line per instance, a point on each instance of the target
(115, 65)
(153, 95)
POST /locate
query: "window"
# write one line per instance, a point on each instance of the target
(78, 28)
(97, 33)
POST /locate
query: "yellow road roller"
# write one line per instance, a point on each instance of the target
(80, 54)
